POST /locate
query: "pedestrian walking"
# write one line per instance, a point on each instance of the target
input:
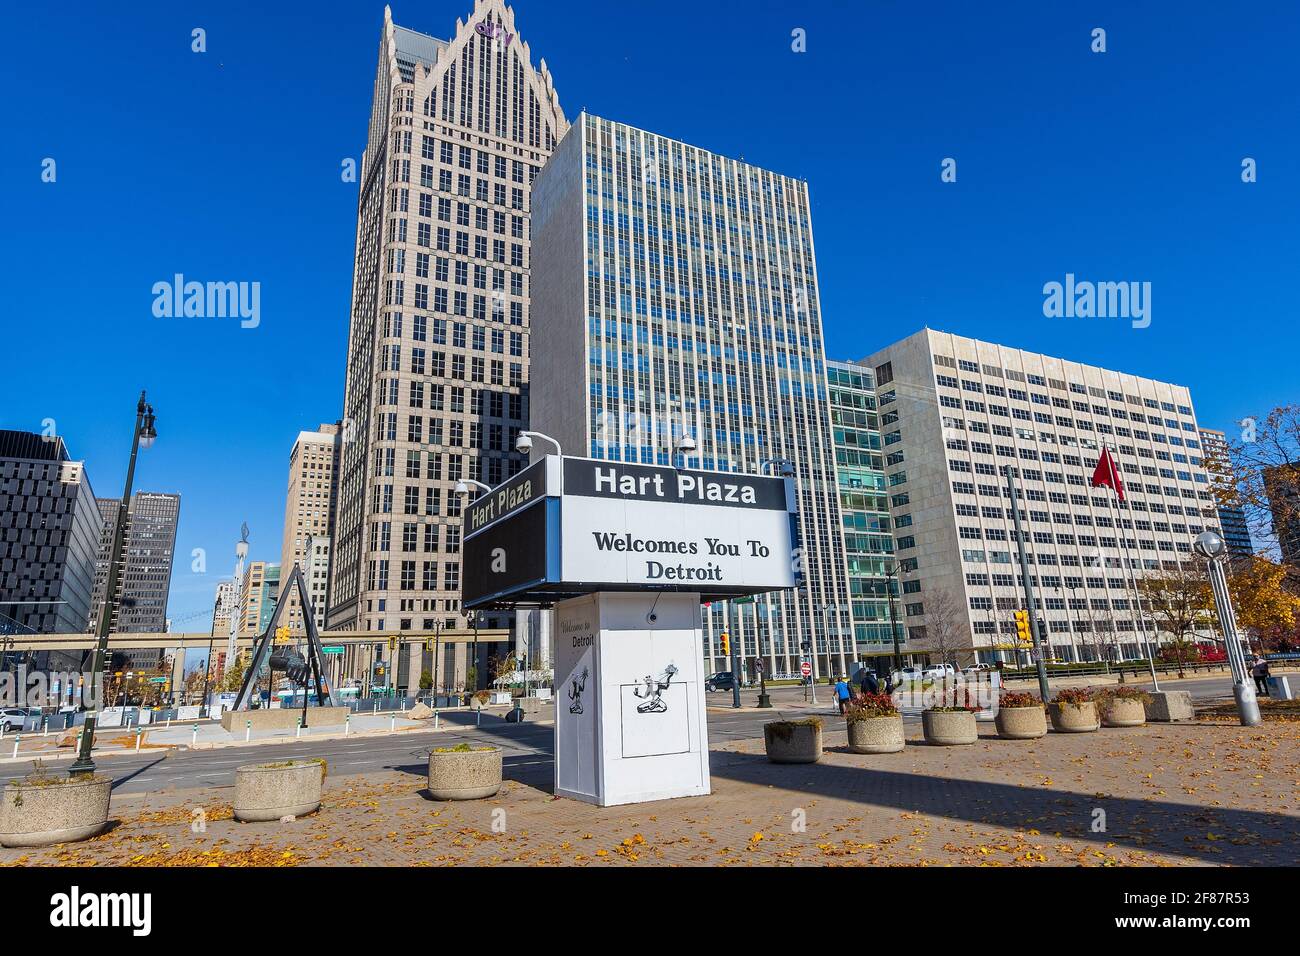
(869, 684)
(842, 692)
(1261, 675)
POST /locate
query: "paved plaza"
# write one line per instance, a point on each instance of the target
(1160, 795)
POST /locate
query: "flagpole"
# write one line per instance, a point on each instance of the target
(1132, 572)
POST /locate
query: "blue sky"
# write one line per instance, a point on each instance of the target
(1124, 165)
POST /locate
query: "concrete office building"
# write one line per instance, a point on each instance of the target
(309, 504)
(437, 353)
(864, 512)
(1232, 516)
(49, 537)
(953, 412)
(145, 572)
(675, 291)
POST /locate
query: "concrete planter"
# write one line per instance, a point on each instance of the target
(1021, 723)
(1167, 705)
(40, 815)
(274, 790)
(793, 742)
(949, 728)
(464, 774)
(1075, 718)
(876, 735)
(1124, 712)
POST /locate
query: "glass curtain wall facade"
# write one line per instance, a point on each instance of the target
(864, 507)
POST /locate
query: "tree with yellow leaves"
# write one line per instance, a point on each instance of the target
(1262, 597)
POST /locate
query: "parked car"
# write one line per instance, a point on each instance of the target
(723, 680)
(978, 668)
(14, 718)
(906, 674)
(939, 672)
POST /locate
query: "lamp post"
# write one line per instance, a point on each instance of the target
(891, 572)
(144, 434)
(524, 444)
(474, 617)
(1030, 603)
(207, 670)
(1210, 546)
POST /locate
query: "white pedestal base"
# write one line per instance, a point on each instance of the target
(629, 708)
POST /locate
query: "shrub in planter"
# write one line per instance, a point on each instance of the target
(1021, 717)
(1123, 706)
(464, 772)
(793, 741)
(949, 726)
(271, 791)
(46, 808)
(874, 724)
(481, 698)
(1074, 711)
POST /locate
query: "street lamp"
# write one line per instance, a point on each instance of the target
(891, 570)
(1210, 546)
(463, 486)
(144, 434)
(524, 445)
(685, 446)
(784, 466)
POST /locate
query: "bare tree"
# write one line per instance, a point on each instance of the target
(946, 629)
(1178, 598)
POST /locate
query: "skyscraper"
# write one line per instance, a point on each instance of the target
(49, 536)
(1232, 516)
(437, 351)
(675, 292)
(954, 411)
(144, 579)
(309, 504)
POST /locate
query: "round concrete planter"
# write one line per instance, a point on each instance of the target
(1075, 718)
(39, 815)
(790, 742)
(270, 791)
(949, 728)
(464, 774)
(1124, 712)
(1021, 723)
(876, 735)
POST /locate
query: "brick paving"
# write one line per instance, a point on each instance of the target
(1172, 795)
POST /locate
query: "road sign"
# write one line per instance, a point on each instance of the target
(332, 649)
(805, 669)
(157, 680)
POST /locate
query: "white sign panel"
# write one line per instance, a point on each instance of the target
(648, 526)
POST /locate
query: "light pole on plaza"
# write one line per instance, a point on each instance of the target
(462, 489)
(143, 435)
(1210, 546)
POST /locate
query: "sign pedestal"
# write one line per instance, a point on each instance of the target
(629, 709)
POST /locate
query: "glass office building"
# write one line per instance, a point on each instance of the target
(675, 291)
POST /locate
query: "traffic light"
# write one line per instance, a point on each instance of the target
(392, 643)
(725, 638)
(1022, 627)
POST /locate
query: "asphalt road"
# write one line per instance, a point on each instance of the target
(529, 752)
(528, 747)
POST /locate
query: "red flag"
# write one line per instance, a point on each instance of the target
(1107, 474)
